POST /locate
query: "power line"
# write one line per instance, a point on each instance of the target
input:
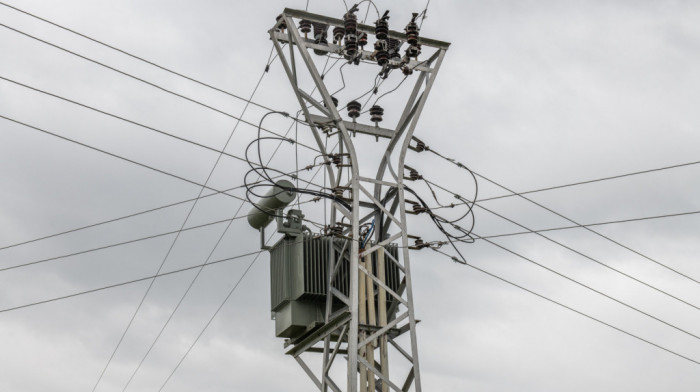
(512, 194)
(120, 157)
(187, 217)
(140, 239)
(460, 165)
(215, 313)
(589, 287)
(140, 212)
(140, 124)
(54, 299)
(595, 224)
(138, 79)
(197, 275)
(591, 230)
(135, 57)
(590, 258)
(573, 310)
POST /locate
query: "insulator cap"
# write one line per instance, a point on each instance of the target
(412, 31)
(382, 57)
(354, 109)
(304, 26)
(362, 41)
(350, 44)
(381, 29)
(376, 113)
(350, 22)
(338, 34)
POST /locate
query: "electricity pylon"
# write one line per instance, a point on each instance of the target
(372, 314)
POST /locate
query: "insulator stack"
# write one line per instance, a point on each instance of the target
(335, 102)
(354, 109)
(338, 34)
(406, 70)
(381, 29)
(419, 243)
(413, 51)
(350, 44)
(320, 33)
(305, 27)
(420, 146)
(413, 175)
(350, 21)
(376, 112)
(338, 192)
(412, 31)
(382, 55)
(362, 41)
(283, 24)
(320, 37)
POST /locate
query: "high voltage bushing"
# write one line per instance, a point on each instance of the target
(412, 30)
(350, 21)
(354, 109)
(381, 29)
(305, 27)
(376, 113)
(338, 34)
(362, 41)
(320, 37)
(350, 44)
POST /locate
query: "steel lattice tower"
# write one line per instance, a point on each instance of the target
(374, 315)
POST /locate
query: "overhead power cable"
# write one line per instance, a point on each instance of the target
(595, 224)
(574, 310)
(591, 230)
(122, 158)
(184, 222)
(141, 212)
(199, 271)
(134, 56)
(132, 241)
(590, 288)
(590, 258)
(112, 286)
(228, 296)
(422, 147)
(513, 194)
(238, 118)
(140, 124)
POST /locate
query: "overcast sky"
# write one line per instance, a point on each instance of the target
(531, 94)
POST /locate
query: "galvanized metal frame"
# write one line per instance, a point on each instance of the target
(343, 326)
